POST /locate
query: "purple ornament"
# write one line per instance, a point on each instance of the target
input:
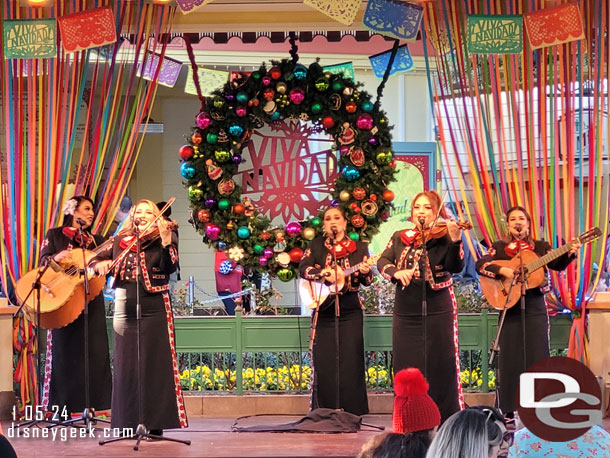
(373, 141)
(210, 203)
(236, 159)
(297, 95)
(203, 120)
(334, 203)
(266, 80)
(229, 96)
(293, 228)
(212, 231)
(268, 253)
(364, 122)
(263, 261)
(241, 111)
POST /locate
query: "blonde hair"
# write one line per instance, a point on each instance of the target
(128, 227)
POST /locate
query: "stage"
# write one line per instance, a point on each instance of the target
(210, 437)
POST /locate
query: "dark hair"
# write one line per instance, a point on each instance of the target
(79, 200)
(168, 211)
(514, 208)
(435, 200)
(396, 445)
(339, 209)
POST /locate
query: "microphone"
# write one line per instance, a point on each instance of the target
(421, 221)
(334, 231)
(81, 222)
(138, 221)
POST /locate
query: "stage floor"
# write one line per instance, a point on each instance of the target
(210, 437)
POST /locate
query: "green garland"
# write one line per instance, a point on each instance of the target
(287, 90)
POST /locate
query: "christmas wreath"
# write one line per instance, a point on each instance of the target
(288, 89)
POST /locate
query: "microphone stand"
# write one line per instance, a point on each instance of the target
(522, 300)
(424, 299)
(36, 287)
(88, 416)
(142, 432)
(337, 314)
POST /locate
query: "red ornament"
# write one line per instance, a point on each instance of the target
(268, 94)
(374, 197)
(186, 152)
(196, 138)
(328, 122)
(388, 195)
(275, 73)
(351, 106)
(238, 209)
(295, 255)
(358, 221)
(203, 216)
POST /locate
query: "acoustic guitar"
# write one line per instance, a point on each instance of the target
(497, 290)
(313, 293)
(62, 296)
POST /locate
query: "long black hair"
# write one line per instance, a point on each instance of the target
(68, 218)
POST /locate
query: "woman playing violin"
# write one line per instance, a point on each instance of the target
(400, 263)
(317, 265)
(510, 357)
(162, 402)
(64, 381)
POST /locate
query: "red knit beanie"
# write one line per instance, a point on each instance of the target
(414, 410)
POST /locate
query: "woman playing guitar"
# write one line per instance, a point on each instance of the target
(510, 360)
(317, 265)
(64, 382)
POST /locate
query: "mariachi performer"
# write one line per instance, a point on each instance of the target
(438, 355)
(64, 379)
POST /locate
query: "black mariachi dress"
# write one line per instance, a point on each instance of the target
(64, 377)
(162, 401)
(510, 357)
(443, 362)
(352, 384)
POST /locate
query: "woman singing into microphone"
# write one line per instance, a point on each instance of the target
(317, 264)
(162, 402)
(438, 355)
(64, 383)
(510, 357)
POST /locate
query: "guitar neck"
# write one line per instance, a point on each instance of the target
(550, 256)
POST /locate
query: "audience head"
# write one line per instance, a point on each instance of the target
(414, 409)
(476, 432)
(394, 445)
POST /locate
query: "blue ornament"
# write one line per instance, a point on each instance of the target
(242, 97)
(225, 267)
(300, 72)
(243, 232)
(275, 116)
(367, 106)
(236, 130)
(187, 170)
(350, 173)
(222, 246)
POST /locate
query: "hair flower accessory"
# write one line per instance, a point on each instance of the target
(69, 207)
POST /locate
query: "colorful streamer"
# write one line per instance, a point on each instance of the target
(68, 129)
(527, 129)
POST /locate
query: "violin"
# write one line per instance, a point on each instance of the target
(153, 234)
(439, 230)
